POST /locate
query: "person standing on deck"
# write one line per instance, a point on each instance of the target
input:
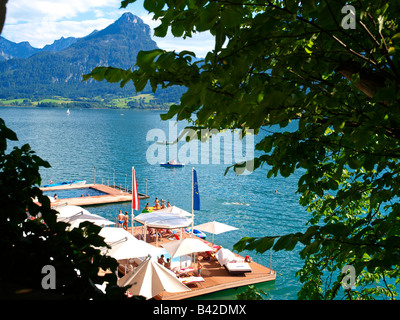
(126, 221)
(120, 219)
(199, 267)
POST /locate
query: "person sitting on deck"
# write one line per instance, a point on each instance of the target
(156, 204)
(126, 221)
(120, 219)
(162, 204)
(161, 260)
(168, 232)
(167, 264)
(168, 204)
(146, 208)
(153, 233)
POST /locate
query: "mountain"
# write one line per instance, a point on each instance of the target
(60, 44)
(58, 70)
(12, 50)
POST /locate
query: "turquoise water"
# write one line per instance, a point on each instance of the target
(103, 145)
(74, 193)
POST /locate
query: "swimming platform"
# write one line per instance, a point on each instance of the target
(215, 277)
(89, 194)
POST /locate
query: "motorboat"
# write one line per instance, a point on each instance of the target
(65, 183)
(171, 164)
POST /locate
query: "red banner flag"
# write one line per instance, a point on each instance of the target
(135, 194)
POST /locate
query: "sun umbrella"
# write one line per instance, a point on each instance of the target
(67, 211)
(126, 246)
(176, 210)
(215, 227)
(186, 246)
(75, 220)
(151, 278)
(164, 220)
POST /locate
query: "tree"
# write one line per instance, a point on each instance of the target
(41, 258)
(332, 67)
(33, 241)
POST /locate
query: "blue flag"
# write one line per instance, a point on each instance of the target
(196, 195)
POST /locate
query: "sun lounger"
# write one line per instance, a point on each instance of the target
(192, 279)
(237, 267)
(184, 270)
(232, 264)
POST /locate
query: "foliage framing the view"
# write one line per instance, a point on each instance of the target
(280, 61)
(32, 238)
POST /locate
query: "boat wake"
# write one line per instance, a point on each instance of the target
(236, 204)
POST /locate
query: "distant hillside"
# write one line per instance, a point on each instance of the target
(60, 44)
(57, 69)
(12, 50)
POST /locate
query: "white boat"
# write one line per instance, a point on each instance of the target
(171, 163)
(66, 183)
(68, 112)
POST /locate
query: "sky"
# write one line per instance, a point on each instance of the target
(40, 22)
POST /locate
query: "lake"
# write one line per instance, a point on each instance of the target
(99, 145)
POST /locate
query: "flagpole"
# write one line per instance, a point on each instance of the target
(192, 200)
(132, 204)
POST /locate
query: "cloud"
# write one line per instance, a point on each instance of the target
(40, 34)
(53, 10)
(199, 43)
(42, 21)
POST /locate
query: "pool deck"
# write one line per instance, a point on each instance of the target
(114, 194)
(216, 277)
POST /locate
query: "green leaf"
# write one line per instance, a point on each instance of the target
(241, 244)
(287, 242)
(310, 249)
(231, 17)
(124, 3)
(219, 37)
(336, 229)
(161, 30)
(262, 245)
(146, 58)
(354, 163)
(153, 5)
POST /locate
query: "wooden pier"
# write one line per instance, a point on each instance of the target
(216, 277)
(113, 194)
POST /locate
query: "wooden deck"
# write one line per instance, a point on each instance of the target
(113, 195)
(216, 276)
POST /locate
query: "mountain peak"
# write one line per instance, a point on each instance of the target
(60, 72)
(129, 17)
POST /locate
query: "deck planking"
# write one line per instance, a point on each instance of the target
(113, 195)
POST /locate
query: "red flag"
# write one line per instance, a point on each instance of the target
(135, 194)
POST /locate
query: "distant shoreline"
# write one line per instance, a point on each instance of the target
(80, 108)
(138, 102)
